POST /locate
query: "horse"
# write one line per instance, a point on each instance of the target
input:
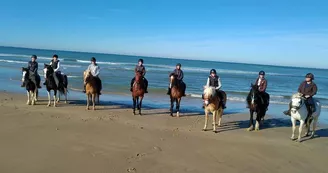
(212, 105)
(299, 112)
(31, 89)
(138, 91)
(256, 105)
(91, 88)
(51, 85)
(176, 94)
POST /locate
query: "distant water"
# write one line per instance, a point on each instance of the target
(117, 71)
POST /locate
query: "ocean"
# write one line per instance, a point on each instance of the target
(118, 70)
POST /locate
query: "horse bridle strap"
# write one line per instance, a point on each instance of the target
(301, 105)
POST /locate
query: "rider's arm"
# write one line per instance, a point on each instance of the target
(36, 68)
(314, 90)
(144, 71)
(181, 75)
(58, 66)
(262, 89)
(97, 70)
(208, 83)
(219, 84)
(300, 88)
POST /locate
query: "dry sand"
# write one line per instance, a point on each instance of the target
(37, 139)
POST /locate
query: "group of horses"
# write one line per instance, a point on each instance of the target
(212, 102)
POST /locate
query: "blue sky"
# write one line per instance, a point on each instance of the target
(279, 32)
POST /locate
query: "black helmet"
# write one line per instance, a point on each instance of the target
(310, 75)
(262, 73)
(55, 55)
(93, 59)
(178, 65)
(140, 60)
(34, 56)
(213, 71)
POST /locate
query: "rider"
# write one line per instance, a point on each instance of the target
(95, 69)
(308, 88)
(55, 64)
(33, 71)
(262, 83)
(141, 69)
(179, 73)
(214, 81)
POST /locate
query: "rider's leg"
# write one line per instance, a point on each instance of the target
(146, 85)
(38, 81)
(131, 84)
(288, 112)
(56, 79)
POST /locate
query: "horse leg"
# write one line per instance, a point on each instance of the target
(33, 95)
(206, 120)
(55, 94)
(28, 97)
(258, 120)
(178, 106)
(300, 130)
(58, 98)
(49, 100)
(88, 101)
(37, 95)
(134, 105)
(171, 107)
(251, 124)
(215, 113)
(140, 104)
(93, 101)
(314, 126)
(220, 117)
(293, 128)
(65, 89)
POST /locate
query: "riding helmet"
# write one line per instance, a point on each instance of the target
(140, 60)
(262, 73)
(55, 55)
(93, 59)
(34, 56)
(178, 65)
(213, 71)
(310, 75)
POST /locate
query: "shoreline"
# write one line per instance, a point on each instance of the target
(70, 139)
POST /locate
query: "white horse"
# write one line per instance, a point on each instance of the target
(212, 105)
(299, 112)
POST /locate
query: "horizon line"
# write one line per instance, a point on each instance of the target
(150, 56)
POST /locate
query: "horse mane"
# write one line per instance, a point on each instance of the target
(210, 92)
(296, 95)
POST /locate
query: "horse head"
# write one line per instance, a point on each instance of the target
(138, 77)
(209, 94)
(86, 75)
(254, 93)
(47, 70)
(173, 79)
(297, 101)
(25, 73)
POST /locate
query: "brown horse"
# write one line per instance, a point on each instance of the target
(212, 105)
(176, 93)
(138, 92)
(91, 88)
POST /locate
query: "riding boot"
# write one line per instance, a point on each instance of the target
(23, 84)
(84, 89)
(168, 91)
(288, 112)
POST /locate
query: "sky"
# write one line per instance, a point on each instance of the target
(277, 32)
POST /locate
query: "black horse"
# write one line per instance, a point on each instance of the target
(51, 84)
(257, 103)
(30, 86)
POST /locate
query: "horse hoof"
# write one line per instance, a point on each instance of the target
(312, 136)
(250, 129)
(298, 140)
(65, 102)
(87, 109)
(178, 114)
(215, 131)
(204, 130)
(134, 113)
(257, 129)
(48, 105)
(140, 114)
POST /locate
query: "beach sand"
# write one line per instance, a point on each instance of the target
(70, 139)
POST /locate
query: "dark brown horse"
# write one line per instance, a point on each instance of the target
(138, 92)
(257, 106)
(176, 93)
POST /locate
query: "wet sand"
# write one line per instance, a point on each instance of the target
(70, 139)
